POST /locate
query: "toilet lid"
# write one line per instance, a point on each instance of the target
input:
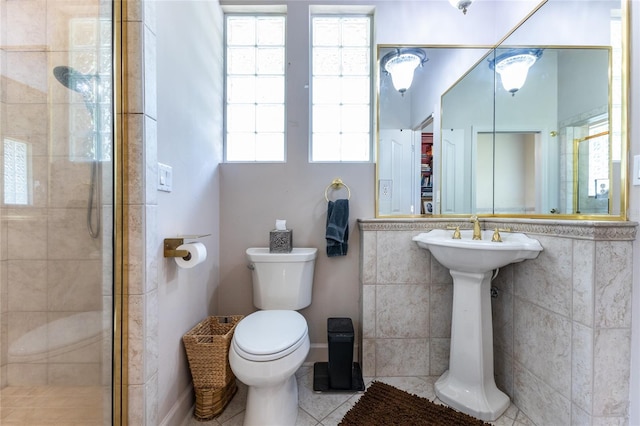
(269, 335)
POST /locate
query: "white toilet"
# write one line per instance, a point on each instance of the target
(270, 345)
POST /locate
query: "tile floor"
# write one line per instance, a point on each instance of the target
(53, 405)
(327, 409)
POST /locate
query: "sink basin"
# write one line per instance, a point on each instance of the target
(469, 385)
(468, 255)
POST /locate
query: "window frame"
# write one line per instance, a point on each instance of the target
(372, 79)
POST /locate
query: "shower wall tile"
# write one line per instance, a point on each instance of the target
(27, 238)
(4, 238)
(582, 366)
(136, 340)
(440, 308)
(21, 323)
(369, 311)
(135, 164)
(30, 374)
(74, 285)
(28, 20)
(579, 417)
(400, 260)
(135, 262)
(438, 355)
(70, 183)
(542, 344)
(546, 280)
(583, 281)
(402, 311)
(76, 374)
(541, 404)
(151, 160)
(150, 74)
(613, 284)
(26, 119)
(27, 289)
(40, 177)
(151, 344)
(135, 68)
(22, 84)
(402, 357)
(612, 351)
(134, 10)
(68, 237)
(154, 248)
(369, 259)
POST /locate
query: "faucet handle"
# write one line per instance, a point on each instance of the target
(496, 234)
(456, 232)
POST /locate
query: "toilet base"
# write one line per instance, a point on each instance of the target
(272, 405)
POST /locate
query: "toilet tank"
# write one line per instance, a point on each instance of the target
(282, 280)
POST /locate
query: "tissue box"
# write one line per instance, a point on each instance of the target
(281, 241)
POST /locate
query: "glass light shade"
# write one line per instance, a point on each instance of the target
(461, 4)
(401, 64)
(513, 68)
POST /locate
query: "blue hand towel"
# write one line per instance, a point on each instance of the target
(337, 228)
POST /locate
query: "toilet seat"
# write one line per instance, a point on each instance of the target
(269, 335)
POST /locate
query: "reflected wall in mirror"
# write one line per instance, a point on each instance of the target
(555, 148)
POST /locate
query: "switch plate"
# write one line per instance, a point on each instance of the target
(385, 189)
(165, 177)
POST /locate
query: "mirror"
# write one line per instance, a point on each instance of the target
(556, 147)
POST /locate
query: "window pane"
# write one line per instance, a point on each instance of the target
(355, 90)
(271, 31)
(326, 61)
(269, 90)
(241, 147)
(355, 147)
(241, 118)
(355, 61)
(270, 147)
(241, 60)
(355, 118)
(326, 146)
(241, 31)
(241, 89)
(326, 32)
(269, 118)
(326, 118)
(355, 32)
(270, 60)
(327, 90)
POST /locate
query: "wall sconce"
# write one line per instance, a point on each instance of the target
(461, 4)
(400, 64)
(513, 67)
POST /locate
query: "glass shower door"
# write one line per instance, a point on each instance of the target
(56, 221)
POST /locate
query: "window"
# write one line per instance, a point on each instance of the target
(16, 172)
(255, 88)
(341, 88)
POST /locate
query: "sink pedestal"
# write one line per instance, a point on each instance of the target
(469, 386)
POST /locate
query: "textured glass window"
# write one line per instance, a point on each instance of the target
(341, 88)
(255, 113)
(16, 172)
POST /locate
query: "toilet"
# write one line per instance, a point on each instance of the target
(270, 345)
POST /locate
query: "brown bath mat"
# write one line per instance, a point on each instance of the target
(383, 404)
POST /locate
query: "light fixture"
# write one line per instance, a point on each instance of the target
(461, 4)
(513, 67)
(401, 63)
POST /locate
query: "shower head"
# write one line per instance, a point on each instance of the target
(74, 80)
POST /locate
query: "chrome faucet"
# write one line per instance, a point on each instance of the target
(477, 232)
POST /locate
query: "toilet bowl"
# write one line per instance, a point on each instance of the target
(270, 345)
(267, 349)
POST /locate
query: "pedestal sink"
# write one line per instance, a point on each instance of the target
(469, 385)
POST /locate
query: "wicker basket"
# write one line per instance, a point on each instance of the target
(207, 346)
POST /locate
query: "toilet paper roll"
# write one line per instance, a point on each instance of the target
(197, 255)
(281, 225)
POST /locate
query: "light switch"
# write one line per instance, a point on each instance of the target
(165, 177)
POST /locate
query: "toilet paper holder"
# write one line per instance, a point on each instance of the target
(171, 244)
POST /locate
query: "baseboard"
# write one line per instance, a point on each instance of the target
(182, 409)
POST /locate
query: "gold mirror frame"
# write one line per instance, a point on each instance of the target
(623, 129)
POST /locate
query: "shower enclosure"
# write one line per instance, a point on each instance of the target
(56, 212)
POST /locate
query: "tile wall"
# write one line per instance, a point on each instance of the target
(562, 322)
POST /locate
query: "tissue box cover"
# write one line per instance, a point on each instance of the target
(281, 241)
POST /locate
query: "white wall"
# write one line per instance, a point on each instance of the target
(189, 97)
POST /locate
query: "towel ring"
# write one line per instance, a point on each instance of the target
(335, 184)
